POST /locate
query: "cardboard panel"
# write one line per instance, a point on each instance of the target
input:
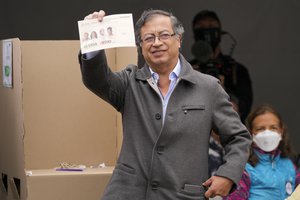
(11, 117)
(126, 56)
(50, 184)
(64, 122)
(49, 117)
(11, 123)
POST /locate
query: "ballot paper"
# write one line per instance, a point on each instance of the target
(113, 31)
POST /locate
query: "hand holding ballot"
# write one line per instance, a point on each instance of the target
(98, 31)
(96, 15)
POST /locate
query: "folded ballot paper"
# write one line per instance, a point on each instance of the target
(70, 167)
(295, 195)
(113, 31)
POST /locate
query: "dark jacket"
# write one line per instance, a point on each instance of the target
(157, 160)
(237, 82)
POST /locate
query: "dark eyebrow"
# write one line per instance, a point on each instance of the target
(158, 32)
(164, 31)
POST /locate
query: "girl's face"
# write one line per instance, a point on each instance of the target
(266, 121)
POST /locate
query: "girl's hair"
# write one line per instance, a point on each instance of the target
(284, 146)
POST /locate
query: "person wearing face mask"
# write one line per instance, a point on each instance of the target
(270, 172)
(209, 59)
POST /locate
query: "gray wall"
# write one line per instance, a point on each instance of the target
(267, 33)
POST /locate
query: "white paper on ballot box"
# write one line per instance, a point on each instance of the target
(7, 65)
(114, 31)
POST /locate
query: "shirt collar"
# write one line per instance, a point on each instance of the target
(262, 152)
(187, 73)
(173, 75)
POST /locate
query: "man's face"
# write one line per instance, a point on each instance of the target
(109, 31)
(85, 36)
(208, 30)
(160, 53)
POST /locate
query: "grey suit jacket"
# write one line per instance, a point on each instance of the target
(167, 161)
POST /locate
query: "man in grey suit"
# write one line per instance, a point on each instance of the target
(168, 112)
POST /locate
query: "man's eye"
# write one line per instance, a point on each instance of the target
(164, 36)
(149, 39)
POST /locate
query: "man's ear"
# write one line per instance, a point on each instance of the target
(180, 40)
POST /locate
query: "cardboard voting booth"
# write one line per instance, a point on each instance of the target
(47, 116)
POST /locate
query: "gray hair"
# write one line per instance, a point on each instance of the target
(147, 15)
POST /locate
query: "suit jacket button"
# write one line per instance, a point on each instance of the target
(160, 150)
(158, 116)
(155, 185)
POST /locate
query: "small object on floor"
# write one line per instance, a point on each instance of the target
(70, 167)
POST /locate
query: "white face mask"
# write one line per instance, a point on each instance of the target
(267, 140)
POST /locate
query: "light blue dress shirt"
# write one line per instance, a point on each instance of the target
(173, 77)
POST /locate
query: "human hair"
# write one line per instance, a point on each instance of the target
(147, 15)
(284, 146)
(94, 34)
(205, 14)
